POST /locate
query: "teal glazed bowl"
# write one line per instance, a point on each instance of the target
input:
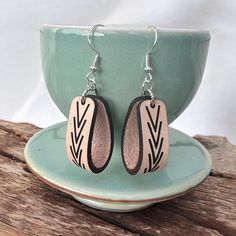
(178, 62)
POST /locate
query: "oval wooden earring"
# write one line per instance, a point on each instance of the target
(145, 141)
(89, 135)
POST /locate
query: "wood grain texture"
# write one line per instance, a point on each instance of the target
(13, 138)
(33, 208)
(30, 207)
(213, 204)
(6, 230)
(223, 154)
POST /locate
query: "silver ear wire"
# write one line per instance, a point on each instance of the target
(91, 76)
(155, 40)
(148, 83)
(91, 36)
(147, 57)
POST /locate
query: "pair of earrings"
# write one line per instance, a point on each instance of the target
(89, 136)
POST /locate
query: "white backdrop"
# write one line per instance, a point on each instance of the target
(23, 96)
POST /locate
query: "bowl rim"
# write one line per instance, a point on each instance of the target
(125, 27)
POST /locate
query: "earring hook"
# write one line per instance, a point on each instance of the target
(148, 83)
(155, 41)
(91, 76)
(91, 36)
(148, 67)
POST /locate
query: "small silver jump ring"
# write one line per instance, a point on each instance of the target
(148, 77)
(90, 75)
(147, 85)
(91, 85)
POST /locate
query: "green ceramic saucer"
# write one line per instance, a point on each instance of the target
(114, 189)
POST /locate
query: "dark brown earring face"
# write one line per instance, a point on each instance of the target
(145, 140)
(89, 137)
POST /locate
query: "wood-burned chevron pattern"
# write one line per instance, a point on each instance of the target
(77, 137)
(89, 136)
(145, 140)
(155, 140)
(78, 130)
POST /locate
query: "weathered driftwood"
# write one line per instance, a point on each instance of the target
(223, 154)
(30, 207)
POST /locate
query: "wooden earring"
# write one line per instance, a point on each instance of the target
(145, 139)
(89, 135)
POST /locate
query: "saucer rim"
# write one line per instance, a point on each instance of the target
(123, 201)
(182, 189)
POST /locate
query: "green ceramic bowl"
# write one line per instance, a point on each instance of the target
(178, 62)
